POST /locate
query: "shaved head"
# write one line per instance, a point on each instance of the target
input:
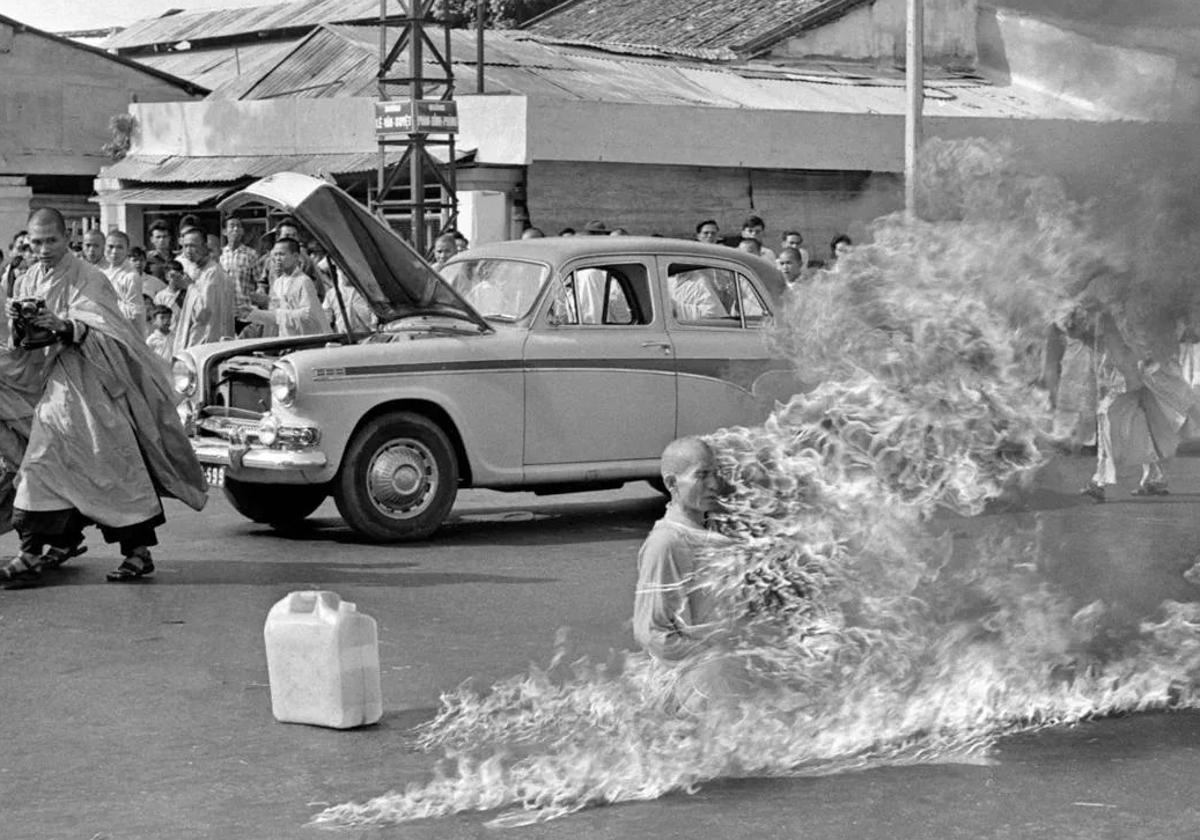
(683, 454)
(48, 217)
(93, 235)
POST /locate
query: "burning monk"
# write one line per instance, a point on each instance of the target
(104, 441)
(674, 619)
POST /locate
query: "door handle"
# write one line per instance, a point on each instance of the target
(665, 345)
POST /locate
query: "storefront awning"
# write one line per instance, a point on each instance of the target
(171, 196)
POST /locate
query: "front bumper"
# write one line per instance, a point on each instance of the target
(222, 453)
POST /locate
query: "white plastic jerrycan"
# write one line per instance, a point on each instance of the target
(323, 661)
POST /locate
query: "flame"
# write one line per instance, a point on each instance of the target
(852, 636)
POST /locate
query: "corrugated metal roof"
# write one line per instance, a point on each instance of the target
(723, 28)
(342, 60)
(181, 169)
(218, 66)
(171, 196)
(232, 23)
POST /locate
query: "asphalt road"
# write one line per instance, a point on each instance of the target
(140, 712)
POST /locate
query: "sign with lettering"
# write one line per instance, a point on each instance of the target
(428, 116)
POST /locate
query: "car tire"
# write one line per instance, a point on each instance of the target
(278, 505)
(398, 478)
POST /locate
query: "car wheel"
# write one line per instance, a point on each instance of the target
(398, 478)
(277, 505)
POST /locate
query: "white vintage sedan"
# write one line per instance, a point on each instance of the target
(548, 365)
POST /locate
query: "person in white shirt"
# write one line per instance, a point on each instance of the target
(295, 308)
(161, 340)
(125, 278)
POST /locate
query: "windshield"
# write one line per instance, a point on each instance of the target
(500, 290)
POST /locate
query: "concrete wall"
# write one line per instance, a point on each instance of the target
(671, 200)
(255, 127)
(1101, 70)
(876, 32)
(56, 101)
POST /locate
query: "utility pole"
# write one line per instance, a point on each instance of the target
(914, 74)
(404, 117)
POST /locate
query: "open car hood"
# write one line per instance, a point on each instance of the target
(393, 277)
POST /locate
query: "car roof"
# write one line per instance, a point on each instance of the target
(559, 249)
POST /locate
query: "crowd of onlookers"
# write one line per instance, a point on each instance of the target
(793, 259)
(189, 288)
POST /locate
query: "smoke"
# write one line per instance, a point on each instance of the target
(853, 636)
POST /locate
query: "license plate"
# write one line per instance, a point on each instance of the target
(215, 476)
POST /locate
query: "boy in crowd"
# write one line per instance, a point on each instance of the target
(161, 339)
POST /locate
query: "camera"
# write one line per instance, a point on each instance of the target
(27, 334)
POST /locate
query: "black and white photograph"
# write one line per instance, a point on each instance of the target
(600, 419)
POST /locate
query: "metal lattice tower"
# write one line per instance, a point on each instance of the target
(405, 117)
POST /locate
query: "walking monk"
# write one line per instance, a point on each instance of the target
(105, 442)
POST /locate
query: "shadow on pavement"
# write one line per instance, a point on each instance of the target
(313, 575)
(521, 524)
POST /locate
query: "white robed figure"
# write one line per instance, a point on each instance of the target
(295, 308)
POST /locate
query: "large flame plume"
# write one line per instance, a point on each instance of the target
(862, 638)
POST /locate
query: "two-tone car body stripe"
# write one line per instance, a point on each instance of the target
(737, 372)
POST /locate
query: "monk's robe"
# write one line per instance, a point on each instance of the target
(295, 308)
(208, 308)
(104, 437)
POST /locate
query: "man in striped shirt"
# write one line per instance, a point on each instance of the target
(240, 263)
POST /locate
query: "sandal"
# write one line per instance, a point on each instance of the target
(134, 567)
(55, 556)
(1094, 491)
(21, 572)
(1151, 488)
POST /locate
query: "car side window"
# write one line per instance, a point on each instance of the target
(751, 306)
(604, 295)
(702, 295)
(709, 296)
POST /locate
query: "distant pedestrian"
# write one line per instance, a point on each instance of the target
(161, 338)
(160, 249)
(567, 231)
(93, 248)
(175, 292)
(532, 233)
(240, 263)
(125, 278)
(838, 246)
(753, 228)
(444, 247)
(751, 246)
(151, 285)
(295, 308)
(207, 312)
(596, 228)
(791, 267)
(795, 240)
(708, 231)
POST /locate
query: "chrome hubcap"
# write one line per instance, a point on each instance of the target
(401, 478)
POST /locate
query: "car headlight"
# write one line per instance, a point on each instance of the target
(283, 384)
(183, 375)
(268, 430)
